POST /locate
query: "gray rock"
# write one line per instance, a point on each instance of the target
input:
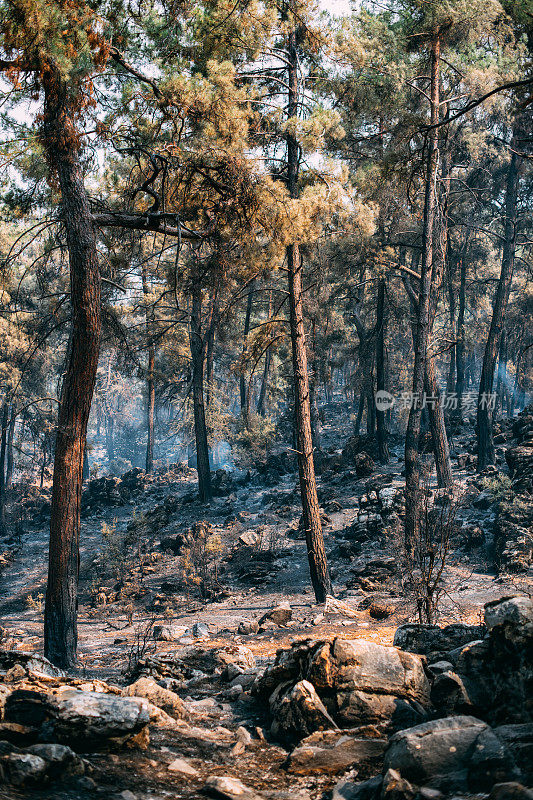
(200, 630)
(449, 695)
(510, 790)
(61, 760)
(168, 701)
(515, 611)
(32, 662)
(456, 753)
(330, 752)
(366, 790)
(247, 627)
(430, 640)
(86, 718)
(519, 741)
(299, 712)
(21, 769)
(280, 615)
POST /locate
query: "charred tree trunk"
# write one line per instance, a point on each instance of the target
(460, 345)
(441, 448)
(412, 459)
(196, 341)
(485, 441)
(10, 441)
(261, 403)
(381, 325)
(3, 447)
(316, 551)
(62, 149)
(450, 382)
(150, 374)
(501, 383)
(315, 419)
(247, 318)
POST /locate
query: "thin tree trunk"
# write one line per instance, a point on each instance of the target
(62, 148)
(316, 551)
(412, 459)
(450, 382)
(460, 345)
(441, 448)
(200, 428)
(210, 344)
(3, 446)
(315, 419)
(501, 383)
(485, 442)
(261, 403)
(381, 325)
(247, 318)
(150, 370)
(10, 439)
(360, 409)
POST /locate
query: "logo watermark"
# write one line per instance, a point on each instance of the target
(449, 401)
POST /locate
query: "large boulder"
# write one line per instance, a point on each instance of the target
(357, 682)
(433, 641)
(452, 754)
(79, 718)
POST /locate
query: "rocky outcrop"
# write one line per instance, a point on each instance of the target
(513, 537)
(357, 683)
(490, 677)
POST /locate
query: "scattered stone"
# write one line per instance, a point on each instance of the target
(229, 788)
(335, 606)
(280, 615)
(200, 630)
(367, 790)
(168, 701)
(179, 765)
(381, 610)
(247, 627)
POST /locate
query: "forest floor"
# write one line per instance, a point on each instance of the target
(151, 593)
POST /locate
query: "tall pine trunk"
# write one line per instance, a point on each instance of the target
(62, 149)
(242, 379)
(412, 459)
(316, 551)
(460, 343)
(196, 341)
(150, 370)
(381, 326)
(10, 443)
(485, 441)
(3, 446)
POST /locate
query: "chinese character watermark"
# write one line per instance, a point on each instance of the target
(449, 401)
